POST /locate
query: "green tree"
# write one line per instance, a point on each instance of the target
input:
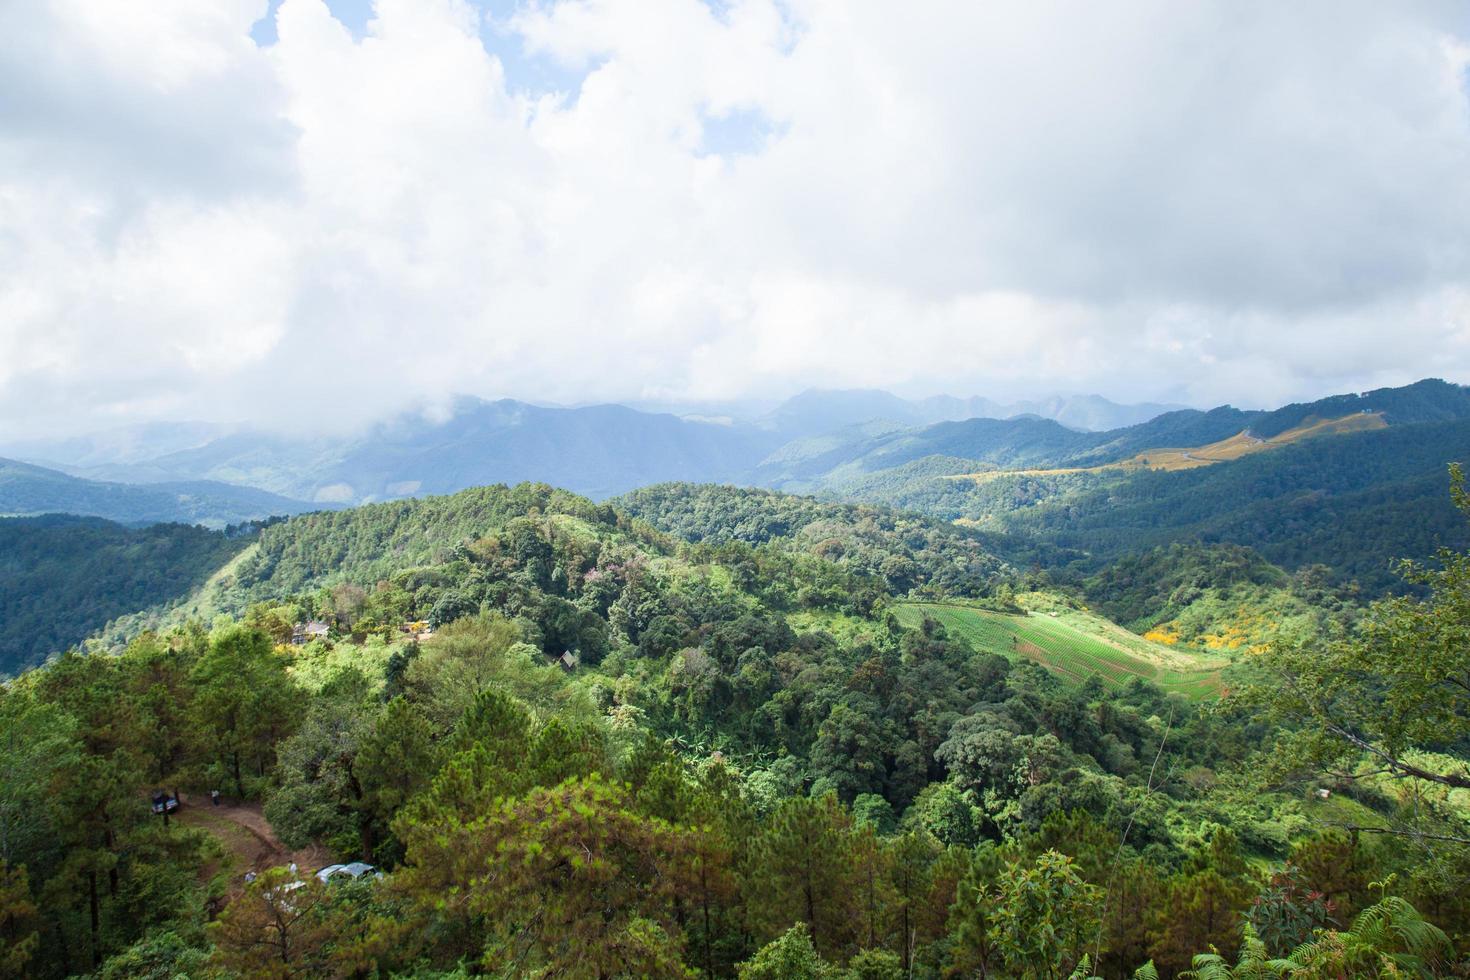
(1044, 918)
(320, 795)
(573, 879)
(790, 956)
(38, 743)
(19, 921)
(244, 704)
(804, 872)
(1204, 909)
(274, 929)
(911, 861)
(396, 759)
(1396, 685)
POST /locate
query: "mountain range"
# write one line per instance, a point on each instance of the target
(596, 450)
(1286, 481)
(27, 490)
(1349, 483)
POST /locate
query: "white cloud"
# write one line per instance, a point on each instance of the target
(1217, 201)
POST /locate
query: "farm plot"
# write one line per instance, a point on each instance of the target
(1074, 645)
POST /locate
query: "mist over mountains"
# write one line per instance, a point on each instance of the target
(597, 450)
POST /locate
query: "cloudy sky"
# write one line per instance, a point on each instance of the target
(308, 214)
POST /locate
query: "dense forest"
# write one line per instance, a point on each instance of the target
(63, 578)
(576, 744)
(1352, 503)
(855, 456)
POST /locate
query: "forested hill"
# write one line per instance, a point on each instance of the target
(374, 543)
(1031, 443)
(63, 578)
(907, 550)
(1353, 503)
(1429, 400)
(791, 748)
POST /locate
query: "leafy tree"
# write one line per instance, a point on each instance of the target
(38, 743)
(790, 956)
(875, 964)
(1396, 685)
(1287, 913)
(321, 793)
(161, 955)
(1044, 918)
(851, 747)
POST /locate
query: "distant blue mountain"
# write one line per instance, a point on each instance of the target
(27, 490)
(599, 451)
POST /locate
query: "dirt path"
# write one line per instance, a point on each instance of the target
(245, 833)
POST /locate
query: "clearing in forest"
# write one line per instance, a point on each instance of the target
(1074, 645)
(246, 836)
(1238, 445)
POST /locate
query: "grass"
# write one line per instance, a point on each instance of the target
(1074, 645)
(205, 603)
(848, 629)
(1245, 444)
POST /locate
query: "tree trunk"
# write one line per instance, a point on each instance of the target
(366, 839)
(709, 959)
(96, 918)
(61, 951)
(111, 842)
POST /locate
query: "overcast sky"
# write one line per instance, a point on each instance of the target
(308, 214)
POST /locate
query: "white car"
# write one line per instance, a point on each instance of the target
(339, 872)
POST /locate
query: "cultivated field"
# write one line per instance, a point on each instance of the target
(1074, 645)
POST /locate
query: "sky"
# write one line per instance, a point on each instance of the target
(309, 215)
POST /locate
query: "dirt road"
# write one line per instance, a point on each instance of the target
(245, 833)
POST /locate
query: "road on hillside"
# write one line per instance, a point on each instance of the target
(246, 834)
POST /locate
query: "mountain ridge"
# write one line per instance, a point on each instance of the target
(27, 490)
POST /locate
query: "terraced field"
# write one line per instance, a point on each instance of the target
(1075, 645)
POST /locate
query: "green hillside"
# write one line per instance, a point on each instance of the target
(677, 748)
(1074, 645)
(63, 578)
(1354, 503)
(1027, 442)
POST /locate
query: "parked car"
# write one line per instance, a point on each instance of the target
(344, 872)
(163, 803)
